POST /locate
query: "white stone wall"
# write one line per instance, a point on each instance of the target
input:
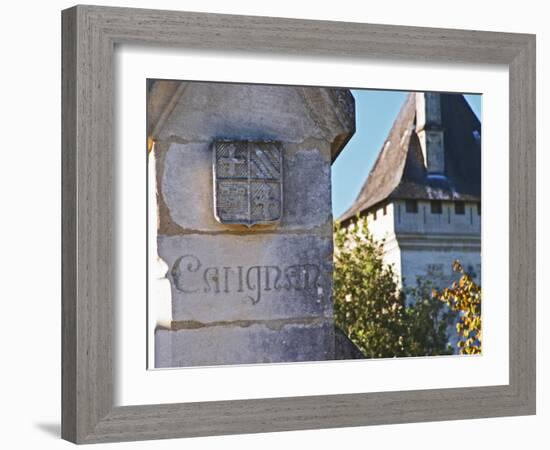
(448, 222)
(381, 223)
(425, 244)
(432, 260)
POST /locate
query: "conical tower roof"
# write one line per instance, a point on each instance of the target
(400, 169)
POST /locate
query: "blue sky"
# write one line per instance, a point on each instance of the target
(375, 112)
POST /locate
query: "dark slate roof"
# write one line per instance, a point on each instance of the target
(399, 171)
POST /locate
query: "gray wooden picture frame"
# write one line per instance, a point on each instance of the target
(90, 34)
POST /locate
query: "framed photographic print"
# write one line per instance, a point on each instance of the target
(284, 205)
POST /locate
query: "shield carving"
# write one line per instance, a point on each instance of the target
(248, 182)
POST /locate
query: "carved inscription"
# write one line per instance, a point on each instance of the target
(248, 186)
(190, 277)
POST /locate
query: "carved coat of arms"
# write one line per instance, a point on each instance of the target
(248, 182)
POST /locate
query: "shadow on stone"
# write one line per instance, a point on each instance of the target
(344, 348)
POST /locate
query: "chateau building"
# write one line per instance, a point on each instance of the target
(423, 194)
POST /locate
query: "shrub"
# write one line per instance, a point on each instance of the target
(370, 308)
(464, 297)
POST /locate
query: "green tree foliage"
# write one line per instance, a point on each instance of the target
(370, 308)
(427, 322)
(464, 297)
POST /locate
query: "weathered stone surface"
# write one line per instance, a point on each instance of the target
(187, 189)
(344, 348)
(237, 111)
(251, 343)
(248, 182)
(246, 286)
(243, 277)
(308, 201)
